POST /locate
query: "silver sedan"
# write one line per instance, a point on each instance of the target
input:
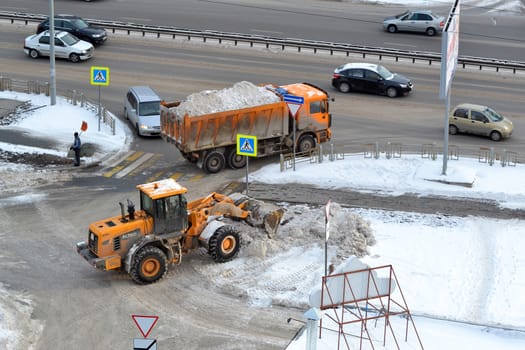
(66, 46)
(423, 21)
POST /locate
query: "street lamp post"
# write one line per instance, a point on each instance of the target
(52, 73)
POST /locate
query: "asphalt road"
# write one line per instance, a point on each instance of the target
(176, 69)
(483, 32)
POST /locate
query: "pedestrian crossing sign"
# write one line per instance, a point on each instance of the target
(247, 145)
(99, 76)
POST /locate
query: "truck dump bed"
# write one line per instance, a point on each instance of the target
(220, 129)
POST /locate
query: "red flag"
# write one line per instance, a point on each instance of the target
(84, 126)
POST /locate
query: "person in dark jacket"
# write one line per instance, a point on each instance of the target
(76, 148)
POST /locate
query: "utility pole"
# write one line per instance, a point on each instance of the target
(52, 73)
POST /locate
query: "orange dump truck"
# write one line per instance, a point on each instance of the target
(209, 139)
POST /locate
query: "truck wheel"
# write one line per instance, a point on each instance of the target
(306, 143)
(224, 244)
(234, 160)
(213, 162)
(150, 265)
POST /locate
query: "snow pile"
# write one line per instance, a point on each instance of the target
(241, 95)
(301, 224)
(252, 274)
(11, 181)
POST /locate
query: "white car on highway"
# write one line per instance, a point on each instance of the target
(66, 46)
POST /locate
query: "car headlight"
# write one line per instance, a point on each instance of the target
(403, 86)
(143, 126)
(97, 35)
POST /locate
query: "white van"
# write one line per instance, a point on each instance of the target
(142, 109)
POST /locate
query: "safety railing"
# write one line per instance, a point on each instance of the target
(72, 96)
(390, 150)
(79, 99)
(300, 45)
(28, 87)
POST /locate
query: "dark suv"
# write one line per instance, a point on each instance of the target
(76, 26)
(371, 78)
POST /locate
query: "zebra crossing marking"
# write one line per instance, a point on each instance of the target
(127, 158)
(143, 158)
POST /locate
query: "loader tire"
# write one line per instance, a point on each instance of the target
(150, 265)
(224, 244)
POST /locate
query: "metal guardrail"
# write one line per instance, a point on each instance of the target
(283, 43)
(78, 98)
(28, 87)
(72, 96)
(392, 150)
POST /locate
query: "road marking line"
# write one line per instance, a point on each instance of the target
(196, 177)
(147, 164)
(176, 176)
(127, 158)
(398, 44)
(155, 176)
(134, 165)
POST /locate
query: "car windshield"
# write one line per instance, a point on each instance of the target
(80, 24)
(493, 115)
(402, 15)
(70, 39)
(149, 108)
(384, 73)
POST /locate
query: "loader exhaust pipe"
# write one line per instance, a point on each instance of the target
(131, 210)
(122, 212)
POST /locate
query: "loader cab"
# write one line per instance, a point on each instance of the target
(165, 201)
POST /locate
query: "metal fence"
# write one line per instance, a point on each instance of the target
(300, 45)
(79, 99)
(28, 87)
(392, 150)
(74, 97)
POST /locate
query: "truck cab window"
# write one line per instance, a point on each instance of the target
(318, 107)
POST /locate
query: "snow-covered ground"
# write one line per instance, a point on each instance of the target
(460, 269)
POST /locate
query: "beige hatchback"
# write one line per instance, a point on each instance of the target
(479, 120)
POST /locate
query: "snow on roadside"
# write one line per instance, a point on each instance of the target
(19, 330)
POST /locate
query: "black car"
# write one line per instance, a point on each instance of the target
(371, 78)
(76, 26)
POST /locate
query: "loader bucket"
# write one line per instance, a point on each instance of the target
(262, 214)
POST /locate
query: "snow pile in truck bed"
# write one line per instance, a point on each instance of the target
(241, 95)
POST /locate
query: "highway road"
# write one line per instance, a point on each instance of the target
(483, 32)
(176, 69)
(84, 308)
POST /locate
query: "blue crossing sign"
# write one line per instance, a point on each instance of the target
(294, 99)
(247, 145)
(99, 76)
